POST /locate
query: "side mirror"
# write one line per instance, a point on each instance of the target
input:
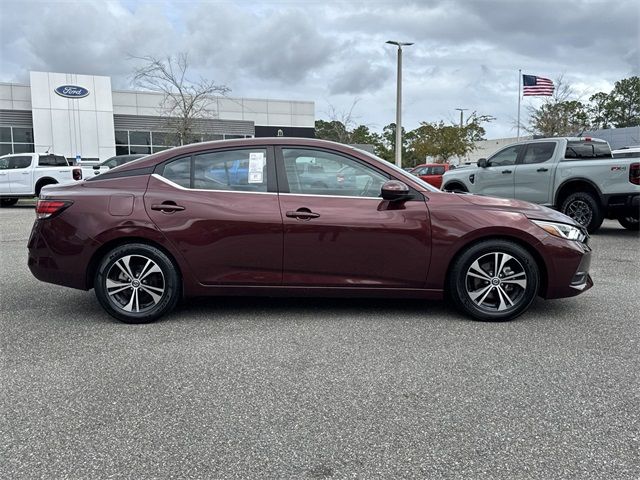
(96, 167)
(483, 163)
(395, 190)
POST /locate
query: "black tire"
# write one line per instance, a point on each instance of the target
(455, 187)
(40, 186)
(630, 223)
(585, 209)
(483, 294)
(153, 288)
(8, 202)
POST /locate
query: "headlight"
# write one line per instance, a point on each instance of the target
(561, 230)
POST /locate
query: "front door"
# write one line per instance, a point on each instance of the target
(534, 173)
(497, 179)
(338, 232)
(220, 210)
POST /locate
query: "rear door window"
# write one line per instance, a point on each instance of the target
(539, 152)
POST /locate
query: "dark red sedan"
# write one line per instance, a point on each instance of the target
(271, 217)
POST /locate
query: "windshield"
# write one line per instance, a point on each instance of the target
(400, 172)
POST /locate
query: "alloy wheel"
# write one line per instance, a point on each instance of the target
(135, 284)
(580, 212)
(496, 282)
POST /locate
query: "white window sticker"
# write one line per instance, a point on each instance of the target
(256, 167)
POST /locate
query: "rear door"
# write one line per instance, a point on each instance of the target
(220, 209)
(534, 173)
(20, 174)
(498, 179)
(338, 232)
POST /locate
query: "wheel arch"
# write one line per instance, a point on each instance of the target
(44, 181)
(447, 185)
(537, 256)
(92, 266)
(574, 185)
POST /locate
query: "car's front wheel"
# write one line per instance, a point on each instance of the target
(494, 280)
(137, 283)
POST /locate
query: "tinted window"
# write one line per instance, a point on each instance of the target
(122, 137)
(22, 135)
(140, 138)
(23, 148)
(323, 173)
(179, 171)
(52, 161)
(134, 149)
(5, 134)
(5, 149)
(237, 170)
(584, 149)
(505, 157)
(539, 152)
(10, 163)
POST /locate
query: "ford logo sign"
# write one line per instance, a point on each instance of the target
(71, 91)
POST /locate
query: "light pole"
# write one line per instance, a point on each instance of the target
(461, 119)
(399, 101)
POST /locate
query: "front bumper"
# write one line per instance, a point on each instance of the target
(568, 268)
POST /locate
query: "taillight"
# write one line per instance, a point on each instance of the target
(47, 208)
(77, 174)
(634, 173)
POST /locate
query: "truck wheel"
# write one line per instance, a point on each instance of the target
(494, 280)
(584, 208)
(137, 283)
(8, 202)
(43, 184)
(630, 223)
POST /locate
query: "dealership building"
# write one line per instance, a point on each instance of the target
(80, 115)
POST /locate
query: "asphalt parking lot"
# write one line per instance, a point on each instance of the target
(271, 388)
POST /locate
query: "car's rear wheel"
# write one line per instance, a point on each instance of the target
(494, 280)
(583, 207)
(137, 283)
(8, 202)
(630, 223)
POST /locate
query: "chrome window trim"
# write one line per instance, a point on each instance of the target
(330, 196)
(180, 187)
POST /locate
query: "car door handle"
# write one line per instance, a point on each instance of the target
(542, 170)
(302, 214)
(25, 173)
(167, 207)
(507, 171)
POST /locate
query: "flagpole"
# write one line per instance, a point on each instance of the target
(519, 96)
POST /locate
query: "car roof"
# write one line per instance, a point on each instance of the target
(155, 158)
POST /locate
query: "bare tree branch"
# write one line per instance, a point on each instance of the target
(183, 100)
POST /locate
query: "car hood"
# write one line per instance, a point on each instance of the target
(531, 210)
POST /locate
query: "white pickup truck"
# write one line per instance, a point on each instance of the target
(576, 175)
(22, 175)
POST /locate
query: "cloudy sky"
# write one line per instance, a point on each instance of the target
(466, 54)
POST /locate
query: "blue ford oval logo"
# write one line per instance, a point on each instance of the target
(72, 91)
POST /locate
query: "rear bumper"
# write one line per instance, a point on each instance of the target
(54, 261)
(623, 204)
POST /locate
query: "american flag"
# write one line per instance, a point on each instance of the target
(536, 86)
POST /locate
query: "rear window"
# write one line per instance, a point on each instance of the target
(52, 161)
(586, 150)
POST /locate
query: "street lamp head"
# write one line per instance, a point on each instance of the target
(399, 44)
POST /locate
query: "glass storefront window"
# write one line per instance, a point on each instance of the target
(163, 139)
(211, 136)
(122, 137)
(139, 138)
(5, 134)
(122, 149)
(23, 148)
(5, 148)
(134, 149)
(22, 135)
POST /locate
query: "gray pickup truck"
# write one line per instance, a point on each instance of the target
(576, 175)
